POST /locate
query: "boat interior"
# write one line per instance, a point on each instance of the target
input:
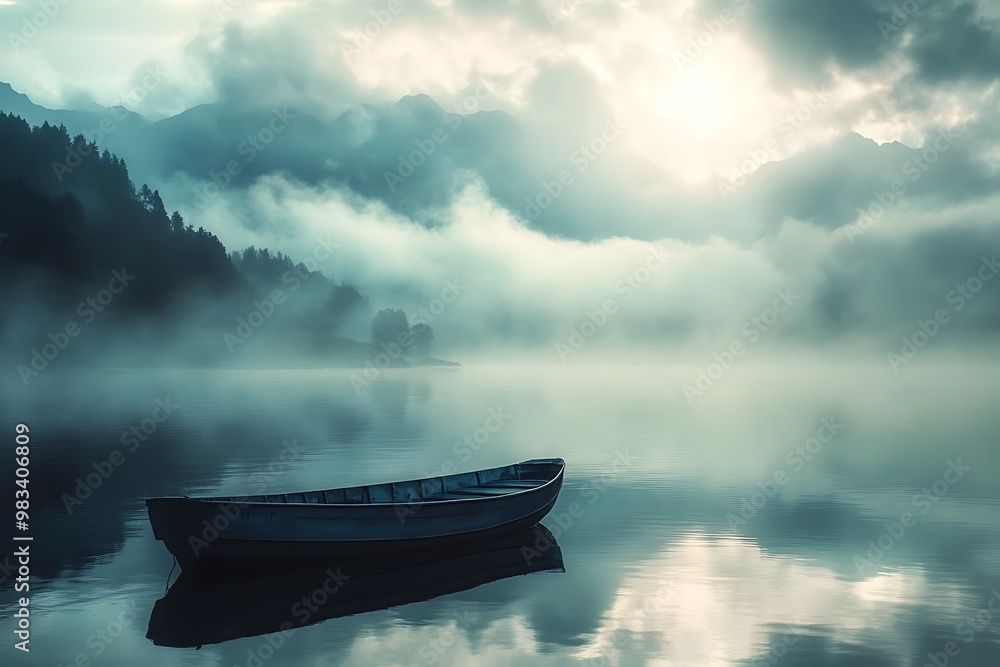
(462, 486)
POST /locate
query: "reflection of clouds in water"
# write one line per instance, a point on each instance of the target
(695, 467)
(505, 641)
(722, 602)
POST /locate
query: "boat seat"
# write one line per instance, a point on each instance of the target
(498, 488)
(481, 491)
(485, 491)
(514, 484)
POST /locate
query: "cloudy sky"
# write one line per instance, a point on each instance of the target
(701, 93)
(699, 83)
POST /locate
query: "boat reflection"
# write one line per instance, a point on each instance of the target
(197, 611)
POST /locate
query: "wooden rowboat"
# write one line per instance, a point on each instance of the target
(267, 531)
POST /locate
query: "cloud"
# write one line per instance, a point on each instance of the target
(468, 212)
(528, 289)
(284, 63)
(599, 58)
(686, 604)
(803, 40)
(956, 43)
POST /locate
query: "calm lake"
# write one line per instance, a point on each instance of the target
(793, 514)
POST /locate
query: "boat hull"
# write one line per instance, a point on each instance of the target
(208, 535)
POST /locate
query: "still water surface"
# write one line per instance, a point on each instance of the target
(793, 515)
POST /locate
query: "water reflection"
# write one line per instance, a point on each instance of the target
(658, 572)
(198, 611)
(725, 601)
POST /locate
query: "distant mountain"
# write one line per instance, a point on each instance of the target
(410, 154)
(406, 154)
(419, 104)
(88, 123)
(827, 185)
(12, 101)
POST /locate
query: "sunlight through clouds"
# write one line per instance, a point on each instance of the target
(733, 259)
(697, 88)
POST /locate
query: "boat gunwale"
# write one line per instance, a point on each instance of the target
(215, 500)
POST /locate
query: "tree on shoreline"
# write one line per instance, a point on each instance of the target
(387, 325)
(390, 325)
(421, 337)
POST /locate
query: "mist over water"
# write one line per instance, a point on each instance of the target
(730, 529)
(735, 262)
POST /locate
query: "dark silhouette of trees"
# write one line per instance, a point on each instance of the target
(326, 303)
(390, 325)
(421, 337)
(387, 325)
(71, 215)
(262, 266)
(72, 211)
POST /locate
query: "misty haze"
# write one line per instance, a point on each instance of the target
(721, 275)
